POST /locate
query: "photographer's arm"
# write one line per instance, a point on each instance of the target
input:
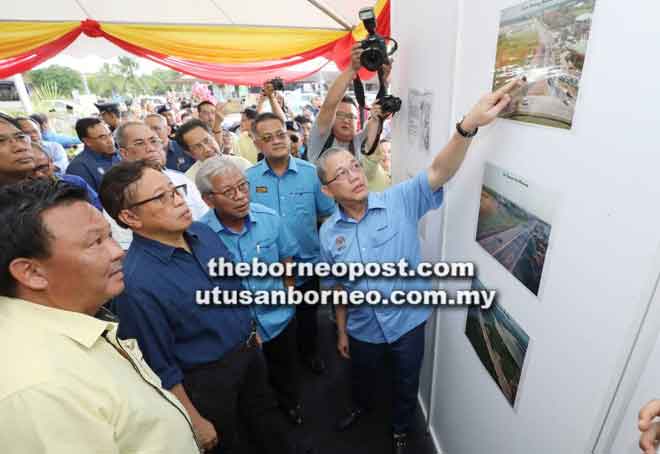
(326, 116)
(274, 105)
(217, 122)
(448, 161)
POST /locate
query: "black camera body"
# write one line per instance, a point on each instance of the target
(375, 52)
(277, 83)
(390, 104)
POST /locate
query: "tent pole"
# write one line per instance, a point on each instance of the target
(328, 12)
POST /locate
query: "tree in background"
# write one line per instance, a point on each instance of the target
(55, 77)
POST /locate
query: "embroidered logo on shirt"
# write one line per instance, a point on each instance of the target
(101, 171)
(262, 189)
(340, 243)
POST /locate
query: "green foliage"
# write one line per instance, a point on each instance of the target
(121, 78)
(64, 79)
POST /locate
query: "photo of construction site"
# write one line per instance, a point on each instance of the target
(543, 43)
(500, 343)
(514, 224)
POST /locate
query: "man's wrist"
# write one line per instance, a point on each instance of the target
(467, 125)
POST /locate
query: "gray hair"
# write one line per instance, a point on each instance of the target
(212, 167)
(323, 160)
(120, 132)
(155, 115)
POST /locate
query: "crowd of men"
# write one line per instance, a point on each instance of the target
(104, 259)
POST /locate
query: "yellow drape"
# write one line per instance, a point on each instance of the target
(223, 43)
(19, 37)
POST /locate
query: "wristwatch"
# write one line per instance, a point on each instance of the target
(463, 132)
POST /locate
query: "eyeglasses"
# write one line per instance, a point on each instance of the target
(154, 141)
(342, 174)
(345, 116)
(167, 196)
(17, 137)
(266, 138)
(232, 193)
(203, 145)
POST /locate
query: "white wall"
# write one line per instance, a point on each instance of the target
(604, 233)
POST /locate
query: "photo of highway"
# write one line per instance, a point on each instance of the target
(500, 343)
(513, 236)
(544, 43)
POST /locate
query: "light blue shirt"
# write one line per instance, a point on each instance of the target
(267, 239)
(386, 233)
(296, 196)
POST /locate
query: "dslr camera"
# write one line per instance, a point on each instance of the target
(375, 53)
(278, 83)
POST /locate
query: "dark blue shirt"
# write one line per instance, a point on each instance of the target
(91, 166)
(158, 306)
(77, 181)
(177, 158)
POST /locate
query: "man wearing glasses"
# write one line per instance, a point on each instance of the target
(382, 227)
(17, 160)
(137, 141)
(252, 231)
(206, 355)
(290, 187)
(99, 154)
(177, 159)
(196, 138)
(336, 123)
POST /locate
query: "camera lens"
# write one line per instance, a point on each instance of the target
(372, 59)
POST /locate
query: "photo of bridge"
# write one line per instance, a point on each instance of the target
(544, 42)
(500, 343)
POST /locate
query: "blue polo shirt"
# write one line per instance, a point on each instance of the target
(265, 238)
(177, 158)
(91, 166)
(158, 306)
(386, 233)
(296, 196)
(77, 181)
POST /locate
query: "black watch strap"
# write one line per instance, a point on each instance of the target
(463, 132)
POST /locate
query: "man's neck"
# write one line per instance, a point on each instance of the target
(236, 225)
(174, 239)
(355, 209)
(279, 166)
(10, 178)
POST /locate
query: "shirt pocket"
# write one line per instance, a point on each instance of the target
(267, 251)
(303, 202)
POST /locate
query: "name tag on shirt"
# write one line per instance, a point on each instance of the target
(262, 189)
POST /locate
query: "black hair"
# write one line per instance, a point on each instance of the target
(250, 113)
(22, 230)
(349, 100)
(301, 120)
(40, 118)
(203, 103)
(186, 128)
(114, 190)
(265, 116)
(83, 125)
(10, 120)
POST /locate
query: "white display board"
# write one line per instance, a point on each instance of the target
(601, 258)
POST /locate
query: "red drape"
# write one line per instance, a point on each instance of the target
(243, 74)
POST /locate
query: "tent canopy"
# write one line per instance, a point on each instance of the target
(219, 40)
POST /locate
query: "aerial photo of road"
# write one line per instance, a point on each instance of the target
(516, 238)
(501, 345)
(546, 45)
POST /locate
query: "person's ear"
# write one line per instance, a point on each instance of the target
(326, 190)
(131, 219)
(29, 273)
(207, 200)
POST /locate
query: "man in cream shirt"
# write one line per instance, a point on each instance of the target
(67, 385)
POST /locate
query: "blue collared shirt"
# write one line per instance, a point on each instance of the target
(91, 166)
(386, 233)
(265, 238)
(177, 159)
(65, 141)
(77, 181)
(158, 306)
(296, 196)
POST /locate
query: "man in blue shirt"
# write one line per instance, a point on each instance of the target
(291, 187)
(176, 157)
(48, 134)
(98, 155)
(254, 232)
(206, 356)
(382, 227)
